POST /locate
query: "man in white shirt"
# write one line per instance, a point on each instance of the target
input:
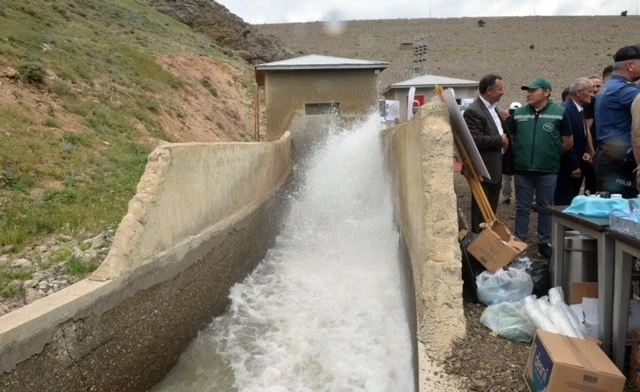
(488, 131)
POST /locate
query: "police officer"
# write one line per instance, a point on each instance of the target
(614, 160)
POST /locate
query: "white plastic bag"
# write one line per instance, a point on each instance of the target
(509, 285)
(562, 322)
(507, 320)
(556, 299)
(533, 309)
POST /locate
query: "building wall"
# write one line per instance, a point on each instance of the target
(286, 93)
(429, 93)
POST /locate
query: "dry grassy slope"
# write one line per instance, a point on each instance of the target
(517, 48)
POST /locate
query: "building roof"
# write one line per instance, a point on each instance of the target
(315, 61)
(432, 81)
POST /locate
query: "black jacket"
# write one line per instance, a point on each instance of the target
(487, 138)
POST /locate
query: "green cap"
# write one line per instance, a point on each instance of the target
(538, 82)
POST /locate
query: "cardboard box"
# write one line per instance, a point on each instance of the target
(558, 363)
(586, 294)
(495, 247)
(580, 290)
(583, 298)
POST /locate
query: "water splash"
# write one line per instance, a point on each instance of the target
(323, 311)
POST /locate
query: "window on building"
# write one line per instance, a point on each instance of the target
(322, 108)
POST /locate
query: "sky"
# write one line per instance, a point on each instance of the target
(290, 11)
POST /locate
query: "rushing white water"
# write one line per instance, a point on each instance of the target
(323, 311)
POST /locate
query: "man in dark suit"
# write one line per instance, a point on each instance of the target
(588, 172)
(572, 161)
(488, 130)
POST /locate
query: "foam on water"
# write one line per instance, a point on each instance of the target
(323, 311)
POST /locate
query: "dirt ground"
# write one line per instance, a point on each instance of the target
(492, 363)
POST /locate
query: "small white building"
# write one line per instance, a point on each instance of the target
(425, 90)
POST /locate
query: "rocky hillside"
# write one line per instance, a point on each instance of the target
(224, 28)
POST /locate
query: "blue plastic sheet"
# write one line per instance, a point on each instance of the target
(597, 207)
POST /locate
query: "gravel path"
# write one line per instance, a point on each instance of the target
(492, 363)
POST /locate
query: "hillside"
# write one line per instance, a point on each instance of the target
(87, 90)
(517, 48)
(85, 99)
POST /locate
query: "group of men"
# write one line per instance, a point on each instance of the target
(550, 148)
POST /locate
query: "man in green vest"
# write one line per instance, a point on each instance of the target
(541, 132)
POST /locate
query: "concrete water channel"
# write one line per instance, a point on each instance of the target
(324, 310)
(357, 285)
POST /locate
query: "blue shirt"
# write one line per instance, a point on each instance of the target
(613, 111)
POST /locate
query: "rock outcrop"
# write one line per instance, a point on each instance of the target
(226, 29)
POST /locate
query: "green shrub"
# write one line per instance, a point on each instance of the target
(75, 139)
(31, 72)
(61, 88)
(7, 276)
(8, 290)
(61, 255)
(76, 266)
(154, 106)
(51, 122)
(209, 86)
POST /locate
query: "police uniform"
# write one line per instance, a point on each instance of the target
(614, 161)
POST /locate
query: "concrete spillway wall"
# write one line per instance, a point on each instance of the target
(419, 156)
(204, 215)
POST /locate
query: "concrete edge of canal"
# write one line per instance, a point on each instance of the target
(204, 215)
